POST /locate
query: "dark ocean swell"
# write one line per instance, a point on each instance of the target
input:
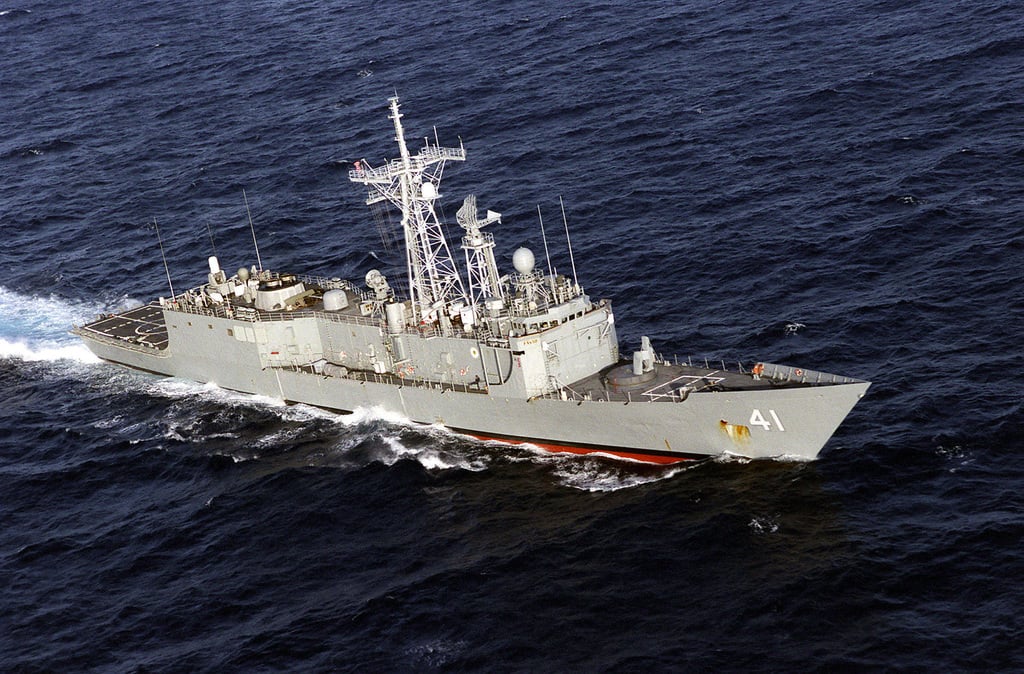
(834, 186)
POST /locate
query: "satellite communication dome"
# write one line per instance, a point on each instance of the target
(523, 260)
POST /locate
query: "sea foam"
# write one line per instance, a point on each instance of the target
(36, 328)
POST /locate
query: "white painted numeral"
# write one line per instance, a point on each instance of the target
(757, 419)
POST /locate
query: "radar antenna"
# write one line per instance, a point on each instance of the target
(411, 183)
(479, 247)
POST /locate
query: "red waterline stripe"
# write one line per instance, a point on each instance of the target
(636, 456)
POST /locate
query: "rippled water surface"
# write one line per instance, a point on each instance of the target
(836, 185)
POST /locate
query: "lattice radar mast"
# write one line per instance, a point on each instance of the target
(411, 183)
(479, 246)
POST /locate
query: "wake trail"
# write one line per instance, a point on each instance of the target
(35, 329)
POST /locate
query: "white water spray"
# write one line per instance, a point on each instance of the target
(36, 328)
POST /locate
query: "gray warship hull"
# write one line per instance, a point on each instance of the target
(521, 357)
(790, 415)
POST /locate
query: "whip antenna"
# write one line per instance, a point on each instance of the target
(545, 238)
(566, 223)
(163, 256)
(259, 262)
(209, 231)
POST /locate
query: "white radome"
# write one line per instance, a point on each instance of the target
(523, 260)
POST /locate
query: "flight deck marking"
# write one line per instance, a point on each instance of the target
(710, 378)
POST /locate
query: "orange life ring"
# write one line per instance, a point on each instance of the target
(758, 369)
(798, 372)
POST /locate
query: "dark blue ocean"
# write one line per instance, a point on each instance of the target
(833, 185)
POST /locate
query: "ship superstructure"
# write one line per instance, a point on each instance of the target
(524, 357)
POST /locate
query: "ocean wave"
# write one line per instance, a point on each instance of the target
(430, 457)
(436, 449)
(48, 351)
(764, 525)
(606, 472)
(36, 328)
(171, 387)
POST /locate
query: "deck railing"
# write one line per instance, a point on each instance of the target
(668, 392)
(390, 379)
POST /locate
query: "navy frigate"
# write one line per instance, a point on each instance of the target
(522, 357)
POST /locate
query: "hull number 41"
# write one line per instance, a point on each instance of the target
(758, 419)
